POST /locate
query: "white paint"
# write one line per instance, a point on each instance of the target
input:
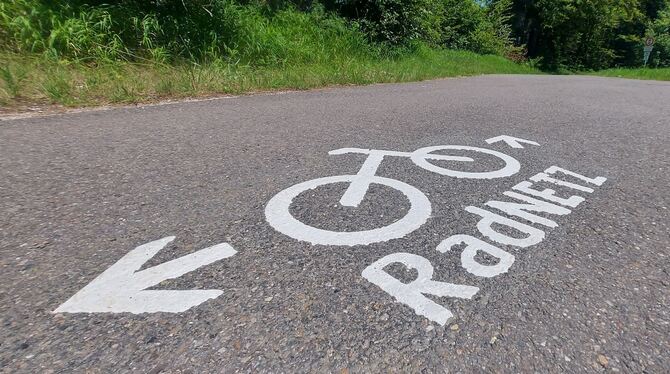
(355, 194)
(122, 288)
(533, 205)
(485, 227)
(421, 156)
(278, 215)
(412, 294)
(548, 194)
(473, 245)
(598, 181)
(546, 178)
(365, 151)
(511, 141)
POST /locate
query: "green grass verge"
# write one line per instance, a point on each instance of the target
(660, 74)
(30, 80)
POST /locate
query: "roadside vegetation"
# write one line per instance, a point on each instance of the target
(660, 74)
(33, 79)
(91, 52)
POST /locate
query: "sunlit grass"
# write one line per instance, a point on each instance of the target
(34, 79)
(55, 53)
(660, 74)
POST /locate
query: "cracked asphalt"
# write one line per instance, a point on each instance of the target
(79, 191)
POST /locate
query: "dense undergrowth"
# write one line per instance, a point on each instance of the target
(88, 52)
(33, 79)
(659, 74)
(172, 31)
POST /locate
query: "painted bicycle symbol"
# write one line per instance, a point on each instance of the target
(278, 215)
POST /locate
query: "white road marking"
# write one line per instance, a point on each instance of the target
(122, 288)
(354, 195)
(546, 178)
(278, 215)
(533, 205)
(421, 156)
(343, 151)
(485, 227)
(412, 294)
(511, 141)
(473, 245)
(548, 194)
(598, 181)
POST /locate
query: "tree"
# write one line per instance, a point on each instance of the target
(660, 30)
(576, 34)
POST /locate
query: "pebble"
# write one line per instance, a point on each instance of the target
(602, 360)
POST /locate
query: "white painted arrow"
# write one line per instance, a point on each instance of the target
(122, 288)
(511, 141)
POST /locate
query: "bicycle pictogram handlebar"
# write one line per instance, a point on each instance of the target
(278, 214)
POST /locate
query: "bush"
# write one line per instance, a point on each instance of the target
(32, 26)
(660, 30)
(162, 30)
(394, 22)
(577, 34)
(465, 24)
(457, 24)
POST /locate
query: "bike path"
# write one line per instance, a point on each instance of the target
(162, 238)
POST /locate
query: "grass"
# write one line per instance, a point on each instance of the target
(37, 80)
(72, 54)
(660, 74)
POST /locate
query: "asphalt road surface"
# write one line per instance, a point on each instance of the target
(207, 237)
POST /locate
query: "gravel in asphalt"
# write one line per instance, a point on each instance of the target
(80, 191)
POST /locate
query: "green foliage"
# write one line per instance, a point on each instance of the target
(58, 86)
(77, 83)
(594, 34)
(12, 79)
(561, 34)
(457, 24)
(660, 30)
(578, 34)
(394, 22)
(660, 74)
(466, 24)
(254, 32)
(32, 26)
(165, 30)
(74, 52)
